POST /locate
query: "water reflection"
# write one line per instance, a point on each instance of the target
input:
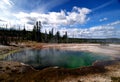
(55, 57)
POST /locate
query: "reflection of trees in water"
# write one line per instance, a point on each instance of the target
(55, 57)
(38, 59)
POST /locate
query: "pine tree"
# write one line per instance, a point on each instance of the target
(57, 36)
(65, 37)
(46, 37)
(37, 31)
(24, 33)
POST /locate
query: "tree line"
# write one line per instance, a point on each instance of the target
(11, 35)
(8, 36)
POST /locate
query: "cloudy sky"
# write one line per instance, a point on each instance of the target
(80, 18)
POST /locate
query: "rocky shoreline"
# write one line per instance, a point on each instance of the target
(19, 72)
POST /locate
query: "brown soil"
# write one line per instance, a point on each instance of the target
(106, 71)
(18, 72)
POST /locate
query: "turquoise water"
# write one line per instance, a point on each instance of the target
(55, 57)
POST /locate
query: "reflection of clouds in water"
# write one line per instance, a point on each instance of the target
(54, 57)
(51, 56)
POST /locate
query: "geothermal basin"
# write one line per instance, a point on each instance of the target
(51, 57)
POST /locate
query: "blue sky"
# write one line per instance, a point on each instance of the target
(80, 18)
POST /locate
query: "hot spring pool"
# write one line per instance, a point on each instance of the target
(54, 57)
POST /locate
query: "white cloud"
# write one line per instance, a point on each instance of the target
(58, 20)
(8, 2)
(40, 6)
(103, 5)
(76, 16)
(49, 20)
(104, 31)
(5, 7)
(49, 5)
(103, 19)
(5, 10)
(114, 23)
(5, 4)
